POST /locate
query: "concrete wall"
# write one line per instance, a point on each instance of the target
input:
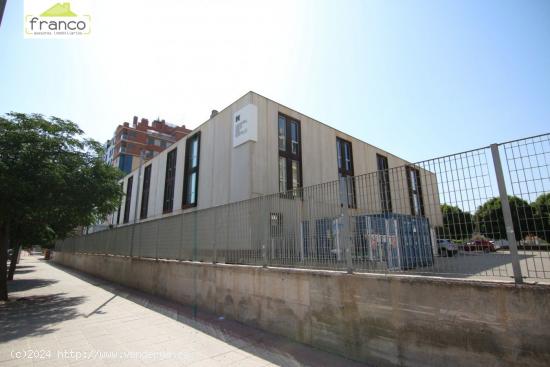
(383, 320)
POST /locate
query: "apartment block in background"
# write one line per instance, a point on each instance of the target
(129, 142)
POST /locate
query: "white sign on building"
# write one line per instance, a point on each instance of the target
(245, 125)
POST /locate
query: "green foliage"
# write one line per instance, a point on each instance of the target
(541, 212)
(490, 218)
(52, 179)
(457, 224)
(529, 219)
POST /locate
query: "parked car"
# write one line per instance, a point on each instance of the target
(446, 248)
(480, 245)
(501, 244)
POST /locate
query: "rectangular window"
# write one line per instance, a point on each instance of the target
(295, 169)
(145, 192)
(384, 183)
(169, 181)
(294, 143)
(128, 199)
(191, 175)
(150, 141)
(290, 154)
(119, 205)
(282, 174)
(282, 133)
(415, 191)
(345, 168)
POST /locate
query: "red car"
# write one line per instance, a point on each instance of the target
(480, 245)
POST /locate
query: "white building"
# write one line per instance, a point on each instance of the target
(257, 147)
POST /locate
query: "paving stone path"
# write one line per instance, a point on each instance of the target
(60, 317)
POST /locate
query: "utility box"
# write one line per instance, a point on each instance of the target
(398, 241)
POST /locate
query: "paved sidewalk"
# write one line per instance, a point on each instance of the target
(59, 317)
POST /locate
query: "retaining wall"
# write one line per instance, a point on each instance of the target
(382, 320)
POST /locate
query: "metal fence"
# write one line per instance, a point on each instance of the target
(481, 213)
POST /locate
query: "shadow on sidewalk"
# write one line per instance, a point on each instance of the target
(17, 271)
(35, 315)
(271, 347)
(20, 285)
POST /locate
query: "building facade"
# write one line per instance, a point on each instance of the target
(257, 147)
(131, 143)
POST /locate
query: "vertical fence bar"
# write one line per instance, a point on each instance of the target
(505, 204)
(345, 225)
(344, 200)
(181, 237)
(265, 222)
(215, 242)
(157, 241)
(133, 237)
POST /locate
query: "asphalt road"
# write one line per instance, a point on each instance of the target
(535, 266)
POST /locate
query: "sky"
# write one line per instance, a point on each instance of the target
(420, 79)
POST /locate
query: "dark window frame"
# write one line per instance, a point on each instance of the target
(188, 171)
(128, 202)
(145, 192)
(384, 183)
(288, 156)
(119, 204)
(345, 172)
(417, 192)
(169, 181)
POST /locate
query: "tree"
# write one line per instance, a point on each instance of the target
(457, 224)
(541, 212)
(52, 180)
(490, 219)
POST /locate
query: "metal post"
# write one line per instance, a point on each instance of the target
(264, 255)
(505, 204)
(215, 259)
(157, 241)
(266, 228)
(136, 203)
(344, 200)
(181, 237)
(214, 245)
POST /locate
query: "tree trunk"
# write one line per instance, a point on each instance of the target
(4, 240)
(13, 262)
